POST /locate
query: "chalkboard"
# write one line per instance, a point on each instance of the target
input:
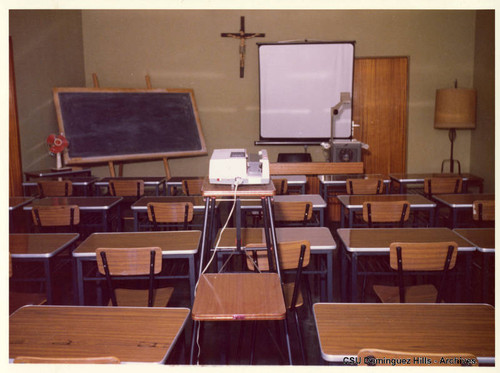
(128, 124)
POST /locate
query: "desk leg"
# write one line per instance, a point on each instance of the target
(343, 273)
(48, 282)
(329, 276)
(136, 221)
(192, 276)
(204, 237)
(342, 216)
(351, 218)
(354, 278)
(78, 281)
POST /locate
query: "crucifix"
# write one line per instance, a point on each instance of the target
(242, 36)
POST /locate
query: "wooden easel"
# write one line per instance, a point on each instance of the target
(111, 165)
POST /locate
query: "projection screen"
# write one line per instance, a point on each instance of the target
(300, 84)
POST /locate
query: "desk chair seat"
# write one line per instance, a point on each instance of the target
(293, 255)
(55, 188)
(374, 356)
(170, 214)
(66, 360)
(418, 258)
(365, 186)
(192, 187)
(120, 262)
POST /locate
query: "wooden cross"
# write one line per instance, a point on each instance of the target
(242, 36)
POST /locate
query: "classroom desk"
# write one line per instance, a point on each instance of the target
(43, 248)
(140, 207)
(16, 203)
(103, 205)
(460, 202)
(319, 204)
(376, 241)
(484, 241)
(156, 182)
(354, 203)
(340, 181)
(344, 329)
(321, 242)
(54, 172)
(174, 245)
(404, 179)
(85, 184)
(132, 334)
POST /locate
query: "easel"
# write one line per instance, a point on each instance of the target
(111, 165)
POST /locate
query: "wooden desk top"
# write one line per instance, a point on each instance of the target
(170, 242)
(357, 200)
(482, 238)
(464, 200)
(53, 172)
(239, 296)
(419, 178)
(341, 179)
(75, 180)
(151, 180)
(320, 238)
(132, 334)
(17, 202)
(345, 328)
(84, 203)
(219, 190)
(39, 245)
(317, 201)
(379, 239)
(142, 203)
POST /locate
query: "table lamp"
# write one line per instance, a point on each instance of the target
(455, 109)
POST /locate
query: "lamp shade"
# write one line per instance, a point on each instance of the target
(455, 108)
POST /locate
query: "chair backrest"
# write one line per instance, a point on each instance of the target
(126, 188)
(55, 188)
(386, 212)
(137, 261)
(293, 211)
(192, 187)
(170, 212)
(365, 186)
(66, 360)
(483, 210)
(422, 256)
(56, 216)
(375, 356)
(442, 185)
(281, 186)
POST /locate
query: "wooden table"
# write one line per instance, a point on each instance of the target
(54, 172)
(404, 179)
(321, 242)
(376, 241)
(339, 182)
(354, 203)
(15, 204)
(140, 207)
(156, 182)
(83, 183)
(460, 202)
(43, 248)
(102, 205)
(343, 329)
(132, 334)
(484, 241)
(174, 245)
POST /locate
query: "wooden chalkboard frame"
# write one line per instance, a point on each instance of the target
(64, 125)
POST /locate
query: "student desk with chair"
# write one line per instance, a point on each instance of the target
(357, 242)
(174, 245)
(458, 203)
(43, 248)
(321, 241)
(338, 182)
(403, 180)
(105, 206)
(58, 173)
(354, 203)
(131, 334)
(155, 182)
(82, 185)
(345, 328)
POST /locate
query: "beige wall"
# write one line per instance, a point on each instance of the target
(48, 52)
(483, 139)
(179, 48)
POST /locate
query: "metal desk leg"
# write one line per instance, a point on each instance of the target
(48, 281)
(354, 278)
(329, 276)
(78, 282)
(342, 216)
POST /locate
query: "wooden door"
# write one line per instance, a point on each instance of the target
(380, 100)
(15, 166)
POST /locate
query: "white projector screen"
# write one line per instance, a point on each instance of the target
(300, 83)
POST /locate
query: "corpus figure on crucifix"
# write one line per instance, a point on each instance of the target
(242, 36)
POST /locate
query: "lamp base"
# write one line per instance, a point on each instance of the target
(452, 163)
